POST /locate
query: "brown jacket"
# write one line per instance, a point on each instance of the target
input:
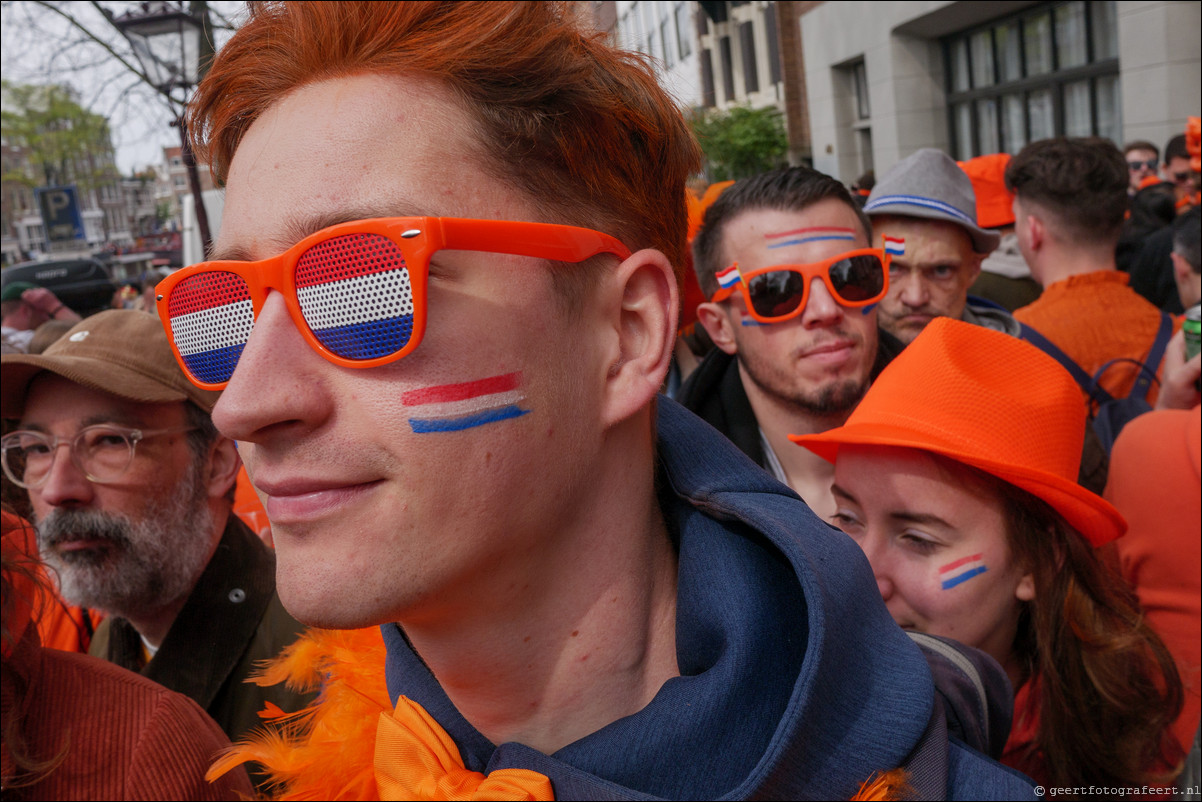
(124, 736)
(232, 621)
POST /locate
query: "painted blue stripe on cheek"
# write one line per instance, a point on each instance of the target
(948, 584)
(866, 309)
(750, 321)
(433, 425)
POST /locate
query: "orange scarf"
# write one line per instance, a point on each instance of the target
(416, 759)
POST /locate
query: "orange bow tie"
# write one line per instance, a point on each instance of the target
(416, 759)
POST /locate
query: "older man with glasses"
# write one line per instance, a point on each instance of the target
(131, 488)
(787, 261)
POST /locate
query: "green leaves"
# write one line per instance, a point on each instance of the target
(62, 140)
(740, 142)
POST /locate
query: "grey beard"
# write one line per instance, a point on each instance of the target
(146, 564)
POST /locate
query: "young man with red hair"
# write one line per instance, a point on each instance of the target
(451, 240)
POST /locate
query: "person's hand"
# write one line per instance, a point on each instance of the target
(41, 300)
(46, 302)
(1179, 377)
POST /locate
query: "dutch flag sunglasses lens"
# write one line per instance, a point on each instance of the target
(856, 280)
(211, 319)
(353, 292)
(355, 296)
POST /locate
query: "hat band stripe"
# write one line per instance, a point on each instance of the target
(917, 200)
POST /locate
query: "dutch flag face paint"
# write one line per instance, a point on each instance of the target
(455, 407)
(895, 246)
(800, 236)
(960, 571)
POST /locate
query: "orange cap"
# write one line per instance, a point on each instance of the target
(995, 204)
(988, 400)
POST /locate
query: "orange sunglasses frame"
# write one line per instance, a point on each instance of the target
(809, 272)
(418, 238)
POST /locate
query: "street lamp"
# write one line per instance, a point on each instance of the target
(167, 42)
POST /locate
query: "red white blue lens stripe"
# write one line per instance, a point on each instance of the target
(355, 295)
(211, 319)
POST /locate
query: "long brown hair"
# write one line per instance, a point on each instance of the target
(1105, 688)
(20, 580)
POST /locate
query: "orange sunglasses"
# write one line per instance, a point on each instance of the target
(780, 292)
(356, 291)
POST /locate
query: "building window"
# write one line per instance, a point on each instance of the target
(666, 42)
(728, 68)
(1048, 71)
(859, 77)
(751, 76)
(774, 72)
(683, 45)
(708, 96)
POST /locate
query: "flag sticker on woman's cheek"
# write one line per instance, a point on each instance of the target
(960, 571)
(455, 407)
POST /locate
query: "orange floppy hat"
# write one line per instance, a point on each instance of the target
(988, 400)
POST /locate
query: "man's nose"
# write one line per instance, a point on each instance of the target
(821, 307)
(66, 484)
(277, 379)
(913, 289)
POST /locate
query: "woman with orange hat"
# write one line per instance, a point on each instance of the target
(956, 475)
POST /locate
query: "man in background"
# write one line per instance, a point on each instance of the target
(767, 380)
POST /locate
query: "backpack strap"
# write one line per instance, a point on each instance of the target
(1145, 371)
(1099, 395)
(1144, 383)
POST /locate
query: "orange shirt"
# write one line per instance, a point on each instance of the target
(60, 625)
(1094, 318)
(1155, 481)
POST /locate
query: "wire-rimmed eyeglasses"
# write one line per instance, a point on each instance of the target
(103, 453)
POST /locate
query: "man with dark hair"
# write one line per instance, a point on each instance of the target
(1177, 169)
(133, 515)
(1070, 200)
(1187, 256)
(767, 379)
(444, 301)
(1143, 161)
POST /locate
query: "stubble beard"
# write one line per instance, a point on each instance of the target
(147, 563)
(833, 400)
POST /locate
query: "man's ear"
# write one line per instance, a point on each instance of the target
(1181, 268)
(223, 466)
(1037, 232)
(718, 326)
(644, 317)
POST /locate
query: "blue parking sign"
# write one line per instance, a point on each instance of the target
(61, 218)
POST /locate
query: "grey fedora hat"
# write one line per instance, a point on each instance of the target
(930, 185)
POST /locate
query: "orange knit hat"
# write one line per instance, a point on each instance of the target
(988, 400)
(995, 203)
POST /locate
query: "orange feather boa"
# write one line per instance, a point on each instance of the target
(327, 750)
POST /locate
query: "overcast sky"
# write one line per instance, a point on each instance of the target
(39, 46)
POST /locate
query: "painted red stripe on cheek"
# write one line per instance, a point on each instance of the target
(458, 392)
